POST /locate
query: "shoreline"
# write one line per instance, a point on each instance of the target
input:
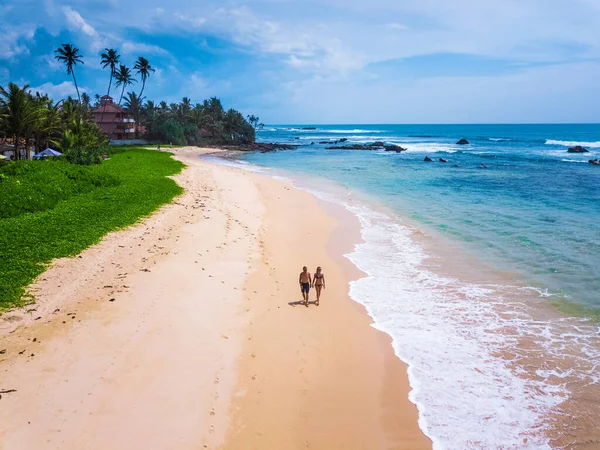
(497, 306)
(318, 376)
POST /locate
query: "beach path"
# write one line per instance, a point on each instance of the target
(182, 332)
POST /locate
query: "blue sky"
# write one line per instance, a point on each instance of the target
(328, 61)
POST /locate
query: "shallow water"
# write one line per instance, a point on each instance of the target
(462, 265)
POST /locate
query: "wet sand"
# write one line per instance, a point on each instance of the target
(185, 332)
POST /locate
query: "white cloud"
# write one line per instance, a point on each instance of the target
(194, 21)
(129, 47)
(58, 91)
(77, 22)
(51, 62)
(75, 19)
(9, 45)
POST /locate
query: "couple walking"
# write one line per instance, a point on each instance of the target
(306, 282)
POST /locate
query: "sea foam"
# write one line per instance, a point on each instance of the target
(573, 143)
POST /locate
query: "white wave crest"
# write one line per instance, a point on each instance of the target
(573, 143)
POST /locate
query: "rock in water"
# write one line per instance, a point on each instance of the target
(428, 159)
(595, 162)
(577, 149)
(463, 141)
(394, 148)
(443, 160)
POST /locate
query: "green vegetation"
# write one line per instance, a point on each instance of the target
(33, 119)
(186, 124)
(53, 209)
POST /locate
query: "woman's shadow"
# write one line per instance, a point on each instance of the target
(302, 303)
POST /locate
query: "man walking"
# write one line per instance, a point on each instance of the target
(305, 281)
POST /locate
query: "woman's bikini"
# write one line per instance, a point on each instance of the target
(318, 279)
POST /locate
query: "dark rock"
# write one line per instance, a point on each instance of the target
(443, 160)
(374, 146)
(577, 149)
(349, 147)
(296, 137)
(483, 166)
(309, 128)
(338, 141)
(428, 159)
(394, 148)
(271, 147)
(595, 162)
(463, 141)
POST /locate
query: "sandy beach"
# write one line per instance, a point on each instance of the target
(185, 331)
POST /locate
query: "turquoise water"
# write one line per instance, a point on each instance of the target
(462, 263)
(535, 210)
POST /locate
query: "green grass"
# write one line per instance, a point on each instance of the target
(52, 209)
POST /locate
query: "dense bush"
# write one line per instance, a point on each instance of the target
(33, 186)
(85, 156)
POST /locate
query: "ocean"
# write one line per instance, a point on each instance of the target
(484, 269)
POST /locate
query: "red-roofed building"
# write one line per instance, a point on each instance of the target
(115, 122)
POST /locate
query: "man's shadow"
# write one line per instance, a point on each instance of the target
(302, 303)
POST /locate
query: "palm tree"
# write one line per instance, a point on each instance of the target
(124, 78)
(19, 113)
(143, 68)
(86, 101)
(70, 56)
(110, 58)
(133, 105)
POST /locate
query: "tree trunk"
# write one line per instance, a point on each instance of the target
(122, 92)
(142, 91)
(16, 150)
(76, 88)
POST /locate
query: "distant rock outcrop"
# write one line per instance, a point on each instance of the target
(443, 160)
(577, 149)
(271, 147)
(374, 146)
(463, 141)
(595, 162)
(428, 159)
(309, 128)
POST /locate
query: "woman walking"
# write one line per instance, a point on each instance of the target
(318, 283)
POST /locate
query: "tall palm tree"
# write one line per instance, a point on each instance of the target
(70, 56)
(143, 68)
(124, 78)
(19, 113)
(110, 58)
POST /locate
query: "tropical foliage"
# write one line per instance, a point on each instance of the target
(194, 124)
(34, 120)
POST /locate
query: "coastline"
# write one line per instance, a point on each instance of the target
(444, 328)
(234, 371)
